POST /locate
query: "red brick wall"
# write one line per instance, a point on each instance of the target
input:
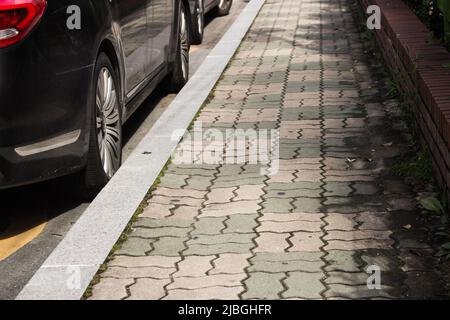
(422, 68)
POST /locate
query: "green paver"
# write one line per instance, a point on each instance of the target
(240, 223)
(304, 285)
(261, 285)
(209, 225)
(286, 266)
(206, 250)
(221, 239)
(136, 246)
(168, 246)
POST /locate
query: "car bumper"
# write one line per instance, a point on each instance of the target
(40, 161)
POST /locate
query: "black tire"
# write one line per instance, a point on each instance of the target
(198, 23)
(94, 176)
(180, 71)
(223, 8)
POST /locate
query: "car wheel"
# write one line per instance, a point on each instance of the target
(180, 72)
(224, 7)
(105, 142)
(198, 22)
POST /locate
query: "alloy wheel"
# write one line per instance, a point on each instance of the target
(200, 17)
(109, 131)
(223, 4)
(184, 44)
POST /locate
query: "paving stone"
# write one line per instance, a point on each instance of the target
(294, 216)
(173, 181)
(304, 285)
(148, 289)
(194, 266)
(286, 266)
(240, 223)
(166, 222)
(278, 205)
(216, 280)
(138, 272)
(295, 186)
(338, 189)
(306, 242)
(261, 285)
(157, 211)
(359, 244)
(359, 292)
(185, 213)
(272, 242)
(220, 195)
(111, 289)
(229, 263)
(209, 225)
(136, 247)
(307, 205)
(289, 226)
(211, 293)
(281, 194)
(187, 201)
(373, 221)
(355, 235)
(345, 261)
(199, 183)
(222, 238)
(340, 221)
(205, 250)
(347, 278)
(160, 232)
(139, 262)
(168, 246)
(249, 192)
(166, 192)
(384, 258)
(226, 209)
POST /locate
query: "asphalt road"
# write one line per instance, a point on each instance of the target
(34, 219)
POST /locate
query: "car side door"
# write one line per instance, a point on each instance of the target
(133, 21)
(160, 31)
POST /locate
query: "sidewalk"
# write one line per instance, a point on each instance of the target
(226, 231)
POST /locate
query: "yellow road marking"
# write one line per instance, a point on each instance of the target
(11, 240)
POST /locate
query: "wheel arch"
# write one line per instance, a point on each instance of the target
(108, 48)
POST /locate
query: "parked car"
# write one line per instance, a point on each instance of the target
(198, 10)
(65, 93)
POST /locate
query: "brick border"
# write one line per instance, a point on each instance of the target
(422, 69)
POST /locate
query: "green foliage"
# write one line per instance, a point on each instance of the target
(419, 167)
(432, 204)
(428, 11)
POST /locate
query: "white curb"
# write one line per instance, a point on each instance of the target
(69, 269)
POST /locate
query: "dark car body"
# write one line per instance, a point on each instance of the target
(208, 4)
(198, 10)
(47, 79)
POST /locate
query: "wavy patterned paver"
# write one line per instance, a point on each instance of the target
(226, 231)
